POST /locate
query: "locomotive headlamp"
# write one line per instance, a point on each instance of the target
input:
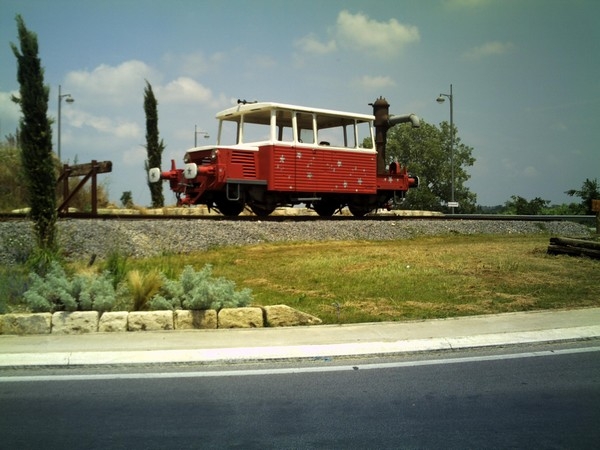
(154, 175)
(186, 158)
(214, 154)
(190, 171)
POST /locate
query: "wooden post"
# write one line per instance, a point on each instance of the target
(596, 209)
(66, 172)
(94, 188)
(87, 171)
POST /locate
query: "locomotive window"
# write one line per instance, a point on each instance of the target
(228, 132)
(255, 132)
(364, 133)
(336, 131)
(304, 122)
(284, 131)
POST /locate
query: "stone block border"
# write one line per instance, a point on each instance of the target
(79, 322)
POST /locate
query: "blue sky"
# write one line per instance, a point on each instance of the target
(525, 75)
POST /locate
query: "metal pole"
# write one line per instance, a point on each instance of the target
(69, 100)
(196, 133)
(441, 99)
(59, 102)
(452, 143)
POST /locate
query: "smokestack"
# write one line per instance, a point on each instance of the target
(383, 122)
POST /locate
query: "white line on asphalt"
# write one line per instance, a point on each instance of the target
(286, 371)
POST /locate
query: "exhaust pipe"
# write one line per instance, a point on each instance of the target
(412, 118)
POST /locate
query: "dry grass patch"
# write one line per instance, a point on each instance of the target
(424, 277)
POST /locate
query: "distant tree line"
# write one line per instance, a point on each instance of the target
(426, 151)
(518, 205)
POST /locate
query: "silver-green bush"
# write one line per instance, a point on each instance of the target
(198, 291)
(56, 292)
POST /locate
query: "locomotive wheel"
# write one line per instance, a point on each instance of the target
(262, 211)
(229, 208)
(359, 211)
(324, 209)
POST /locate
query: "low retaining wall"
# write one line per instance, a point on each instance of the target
(79, 322)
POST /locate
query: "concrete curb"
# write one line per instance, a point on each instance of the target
(255, 354)
(82, 322)
(279, 343)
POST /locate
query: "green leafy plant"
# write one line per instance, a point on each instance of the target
(42, 259)
(127, 199)
(198, 291)
(54, 291)
(13, 283)
(94, 292)
(116, 266)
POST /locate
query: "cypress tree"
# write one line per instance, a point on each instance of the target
(36, 139)
(154, 146)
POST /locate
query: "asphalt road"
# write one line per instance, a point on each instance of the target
(519, 398)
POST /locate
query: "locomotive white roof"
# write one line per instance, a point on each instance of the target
(266, 107)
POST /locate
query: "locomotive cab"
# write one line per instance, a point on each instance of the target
(271, 154)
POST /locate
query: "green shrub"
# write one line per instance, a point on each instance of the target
(13, 284)
(50, 292)
(199, 291)
(54, 291)
(116, 266)
(94, 292)
(41, 260)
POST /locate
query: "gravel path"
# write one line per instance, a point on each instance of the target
(83, 238)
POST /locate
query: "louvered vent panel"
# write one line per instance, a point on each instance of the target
(247, 161)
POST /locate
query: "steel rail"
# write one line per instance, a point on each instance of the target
(586, 219)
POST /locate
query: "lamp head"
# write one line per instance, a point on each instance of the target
(440, 99)
(69, 99)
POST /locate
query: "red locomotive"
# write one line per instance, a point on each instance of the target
(271, 154)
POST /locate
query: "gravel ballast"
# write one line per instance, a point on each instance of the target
(82, 239)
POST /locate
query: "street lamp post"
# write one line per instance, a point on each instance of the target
(68, 99)
(196, 133)
(441, 99)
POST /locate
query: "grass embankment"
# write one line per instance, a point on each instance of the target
(425, 277)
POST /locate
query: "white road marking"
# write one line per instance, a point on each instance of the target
(292, 370)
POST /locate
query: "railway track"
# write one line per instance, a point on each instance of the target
(584, 219)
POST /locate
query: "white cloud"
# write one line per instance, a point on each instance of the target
(311, 44)
(376, 82)
(120, 128)
(9, 113)
(488, 49)
(112, 84)
(184, 90)
(358, 32)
